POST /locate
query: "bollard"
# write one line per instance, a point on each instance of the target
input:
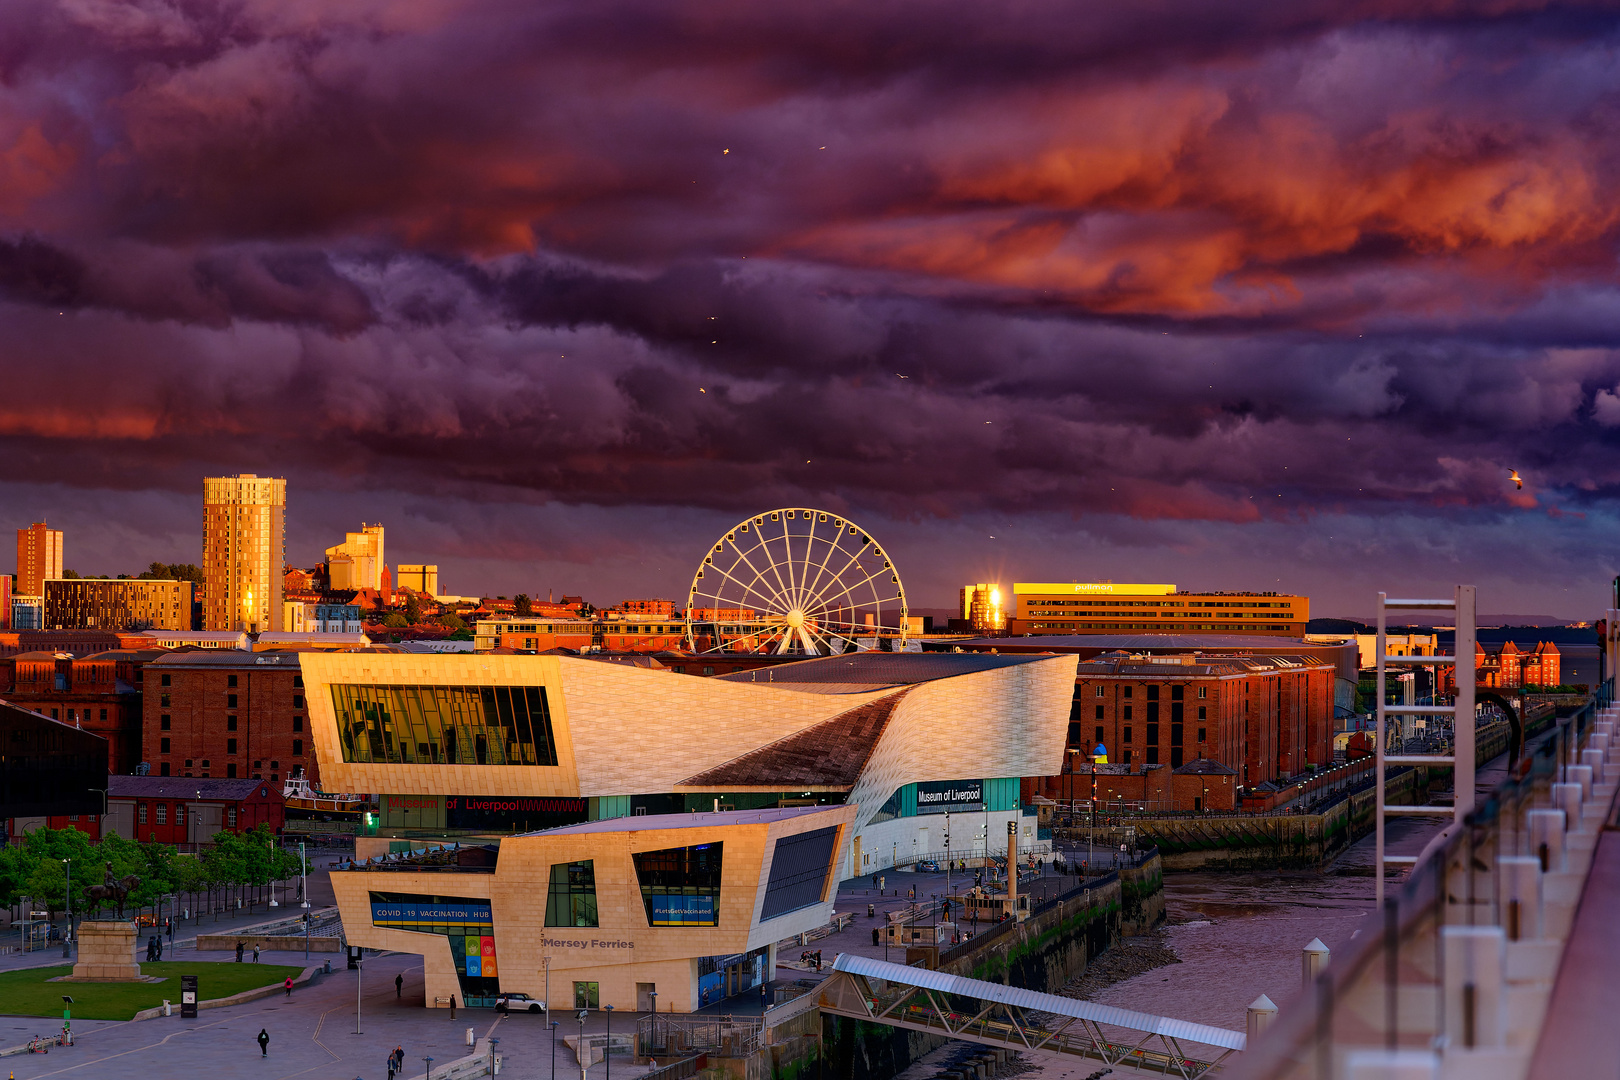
(1262, 1011)
(1593, 759)
(1473, 963)
(1567, 797)
(167, 1009)
(1313, 960)
(1547, 838)
(1392, 1065)
(1582, 775)
(472, 1040)
(1521, 896)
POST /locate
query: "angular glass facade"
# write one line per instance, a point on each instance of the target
(799, 867)
(469, 925)
(680, 886)
(571, 899)
(444, 725)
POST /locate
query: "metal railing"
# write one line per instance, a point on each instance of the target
(660, 1036)
(1393, 989)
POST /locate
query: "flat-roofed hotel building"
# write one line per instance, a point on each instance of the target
(1105, 607)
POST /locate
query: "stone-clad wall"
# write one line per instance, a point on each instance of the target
(622, 950)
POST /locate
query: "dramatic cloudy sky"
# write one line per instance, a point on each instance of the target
(1231, 294)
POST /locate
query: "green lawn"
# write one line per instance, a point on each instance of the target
(26, 993)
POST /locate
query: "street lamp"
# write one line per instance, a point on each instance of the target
(583, 1055)
(545, 962)
(607, 1051)
(553, 1026)
(357, 962)
(429, 1063)
(67, 901)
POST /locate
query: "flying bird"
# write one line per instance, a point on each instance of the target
(1513, 475)
(702, 391)
(900, 376)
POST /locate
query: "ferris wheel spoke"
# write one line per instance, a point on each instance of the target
(804, 596)
(832, 546)
(832, 606)
(840, 572)
(759, 576)
(777, 565)
(760, 584)
(741, 585)
(851, 588)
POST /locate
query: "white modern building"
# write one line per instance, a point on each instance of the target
(502, 744)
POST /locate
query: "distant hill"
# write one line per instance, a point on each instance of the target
(1440, 618)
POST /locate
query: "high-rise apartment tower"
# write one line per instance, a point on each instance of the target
(39, 558)
(244, 552)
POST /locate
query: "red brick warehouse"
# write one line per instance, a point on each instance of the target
(230, 714)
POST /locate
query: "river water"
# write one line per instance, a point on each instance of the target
(1234, 937)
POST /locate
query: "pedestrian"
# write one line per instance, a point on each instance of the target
(264, 1042)
(160, 948)
(390, 1067)
(255, 952)
(452, 1006)
(399, 1059)
(238, 952)
(399, 986)
(287, 986)
(169, 923)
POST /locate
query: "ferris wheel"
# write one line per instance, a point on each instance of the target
(795, 581)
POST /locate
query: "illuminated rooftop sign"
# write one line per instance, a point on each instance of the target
(1106, 588)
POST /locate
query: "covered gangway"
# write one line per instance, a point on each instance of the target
(1006, 1016)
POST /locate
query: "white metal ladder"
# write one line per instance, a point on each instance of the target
(1461, 710)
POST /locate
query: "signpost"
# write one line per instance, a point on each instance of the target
(188, 997)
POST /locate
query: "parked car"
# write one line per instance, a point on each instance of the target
(928, 866)
(519, 1003)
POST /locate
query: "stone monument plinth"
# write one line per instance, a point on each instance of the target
(106, 953)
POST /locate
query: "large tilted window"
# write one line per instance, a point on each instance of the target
(571, 900)
(444, 725)
(680, 886)
(799, 868)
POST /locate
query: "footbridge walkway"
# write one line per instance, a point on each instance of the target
(1005, 1016)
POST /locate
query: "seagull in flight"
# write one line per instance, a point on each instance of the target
(1513, 475)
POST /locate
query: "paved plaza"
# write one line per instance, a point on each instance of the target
(312, 1035)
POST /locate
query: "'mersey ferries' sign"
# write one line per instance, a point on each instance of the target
(585, 943)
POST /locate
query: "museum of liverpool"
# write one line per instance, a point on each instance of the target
(660, 832)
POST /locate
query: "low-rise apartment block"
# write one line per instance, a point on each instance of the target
(117, 604)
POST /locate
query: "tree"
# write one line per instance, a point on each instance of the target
(48, 876)
(521, 604)
(413, 609)
(16, 867)
(395, 620)
(174, 572)
(453, 621)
